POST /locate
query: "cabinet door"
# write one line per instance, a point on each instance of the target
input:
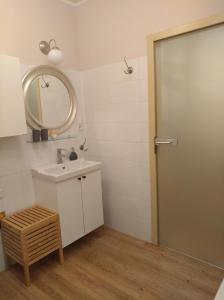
(70, 210)
(92, 201)
(12, 112)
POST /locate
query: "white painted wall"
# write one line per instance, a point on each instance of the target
(117, 127)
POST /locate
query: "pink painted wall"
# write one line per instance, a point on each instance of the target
(96, 33)
(111, 29)
(23, 23)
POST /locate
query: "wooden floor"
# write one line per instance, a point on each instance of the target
(109, 265)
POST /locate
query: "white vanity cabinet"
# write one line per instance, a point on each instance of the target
(12, 111)
(92, 201)
(78, 201)
(70, 208)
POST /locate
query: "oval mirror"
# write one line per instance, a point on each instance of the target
(50, 99)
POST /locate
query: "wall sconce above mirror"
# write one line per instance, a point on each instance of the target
(50, 100)
(54, 53)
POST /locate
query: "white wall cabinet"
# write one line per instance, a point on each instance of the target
(78, 201)
(12, 111)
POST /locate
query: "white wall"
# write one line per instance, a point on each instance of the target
(117, 126)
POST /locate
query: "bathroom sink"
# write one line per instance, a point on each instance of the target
(61, 172)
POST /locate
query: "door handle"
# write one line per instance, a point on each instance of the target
(169, 141)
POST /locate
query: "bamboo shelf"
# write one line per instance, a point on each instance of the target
(30, 235)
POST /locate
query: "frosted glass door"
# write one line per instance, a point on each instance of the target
(190, 107)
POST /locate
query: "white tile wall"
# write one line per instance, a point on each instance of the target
(17, 157)
(115, 116)
(116, 109)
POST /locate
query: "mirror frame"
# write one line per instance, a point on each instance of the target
(31, 120)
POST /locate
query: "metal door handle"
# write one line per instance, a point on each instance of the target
(169, 141)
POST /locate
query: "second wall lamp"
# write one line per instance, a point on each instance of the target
(53, 53)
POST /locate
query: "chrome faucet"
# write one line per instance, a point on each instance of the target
(60, 155)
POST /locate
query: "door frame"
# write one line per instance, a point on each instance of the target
(152, 39)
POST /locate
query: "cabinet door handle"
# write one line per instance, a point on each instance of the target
(84, 177)
(79, 178)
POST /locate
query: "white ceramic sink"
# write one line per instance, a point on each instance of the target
(61, 172)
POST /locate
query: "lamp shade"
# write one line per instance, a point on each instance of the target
(55, 56)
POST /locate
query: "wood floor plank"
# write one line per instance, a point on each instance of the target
(109, 265)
